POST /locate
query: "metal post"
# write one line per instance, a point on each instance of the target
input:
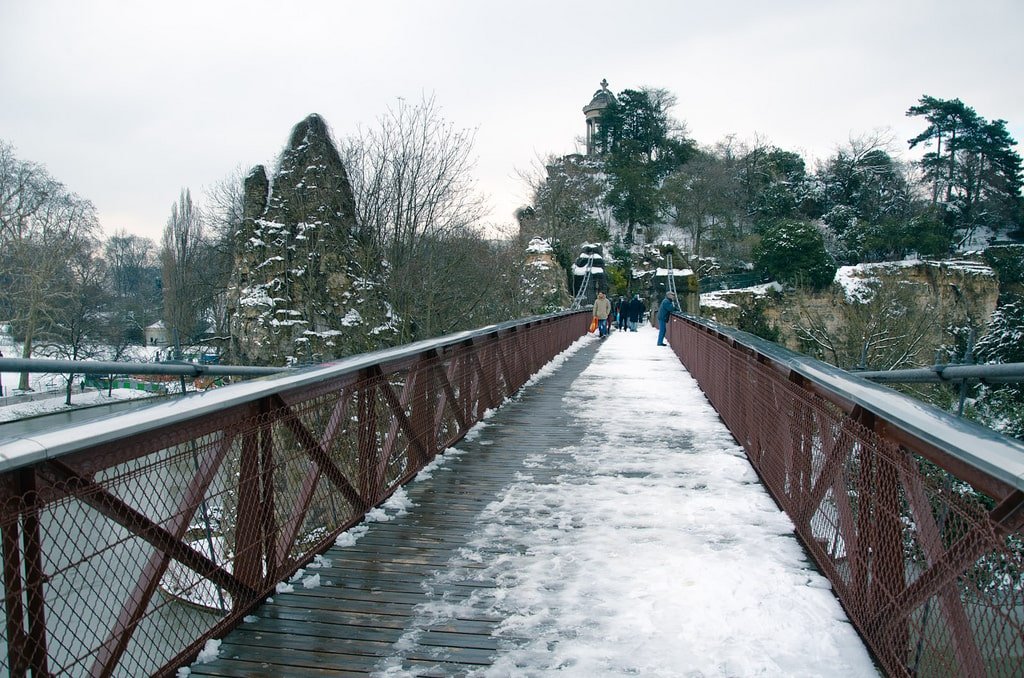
(968, 360)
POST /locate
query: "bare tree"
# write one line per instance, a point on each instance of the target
(888, 328)
(415, 204)
(79, 326)
(224, 204)
(181, 258)
(24, 189)
(132, 280)
(40, 255)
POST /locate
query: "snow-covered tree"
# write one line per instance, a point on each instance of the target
(794, 252)
(1002, 406)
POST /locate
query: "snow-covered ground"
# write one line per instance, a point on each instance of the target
(720, 298)
(678, 563)
(56, 402)
(54, 384)
(656, 552)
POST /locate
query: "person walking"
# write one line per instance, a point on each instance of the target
(602, 309)
(635, 312)
(622, 313)
(667, 306)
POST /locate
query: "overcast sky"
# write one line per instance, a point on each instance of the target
(129, 102)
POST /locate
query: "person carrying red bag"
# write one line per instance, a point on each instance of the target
(602, 309)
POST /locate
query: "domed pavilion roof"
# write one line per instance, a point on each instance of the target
(602, 99)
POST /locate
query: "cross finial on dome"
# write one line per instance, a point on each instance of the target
(604, 83)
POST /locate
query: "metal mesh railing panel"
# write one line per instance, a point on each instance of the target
(121, 559)
(927, 566)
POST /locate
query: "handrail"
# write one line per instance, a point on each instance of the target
(130, 540)
(969, 442)
(29, 449)
(1001, 373)
(167, 367)
(915, 516)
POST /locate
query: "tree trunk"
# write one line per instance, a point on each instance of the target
(26, 351)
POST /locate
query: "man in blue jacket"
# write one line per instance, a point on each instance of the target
(667, 306)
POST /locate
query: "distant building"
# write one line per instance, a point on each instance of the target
(156, 334)
(601, 100)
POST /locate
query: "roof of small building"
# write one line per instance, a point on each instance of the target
(602, 99)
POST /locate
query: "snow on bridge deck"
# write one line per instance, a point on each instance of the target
(602, 522)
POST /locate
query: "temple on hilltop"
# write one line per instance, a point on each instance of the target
(601, 100)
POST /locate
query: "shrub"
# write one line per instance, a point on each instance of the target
(794, 252)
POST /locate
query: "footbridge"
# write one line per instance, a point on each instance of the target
(520, 500)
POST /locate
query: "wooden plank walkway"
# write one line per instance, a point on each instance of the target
(364, 616)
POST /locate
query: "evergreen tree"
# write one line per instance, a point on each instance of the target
(1004, 340)
(794, 252)
(640, 145)
(974, 171)
(1002, 406)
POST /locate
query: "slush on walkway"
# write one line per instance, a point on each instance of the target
(621, 532)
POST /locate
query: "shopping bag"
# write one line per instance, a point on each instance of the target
(593, 325)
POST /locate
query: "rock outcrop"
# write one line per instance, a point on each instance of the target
(299, 291)
(588, 274)
(543, 279)
(922, 305)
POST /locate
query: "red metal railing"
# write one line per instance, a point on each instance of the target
(913, 515)
(129, 541)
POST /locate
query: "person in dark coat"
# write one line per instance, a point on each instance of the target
(622, 312)
(635, 312)
(667, 306)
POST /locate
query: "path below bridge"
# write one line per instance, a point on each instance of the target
(603, 522)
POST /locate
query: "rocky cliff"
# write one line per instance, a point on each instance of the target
(884, 315)
(300, 290)
(543, 279)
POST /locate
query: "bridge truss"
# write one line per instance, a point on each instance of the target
(914, 515)
(129, 541)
